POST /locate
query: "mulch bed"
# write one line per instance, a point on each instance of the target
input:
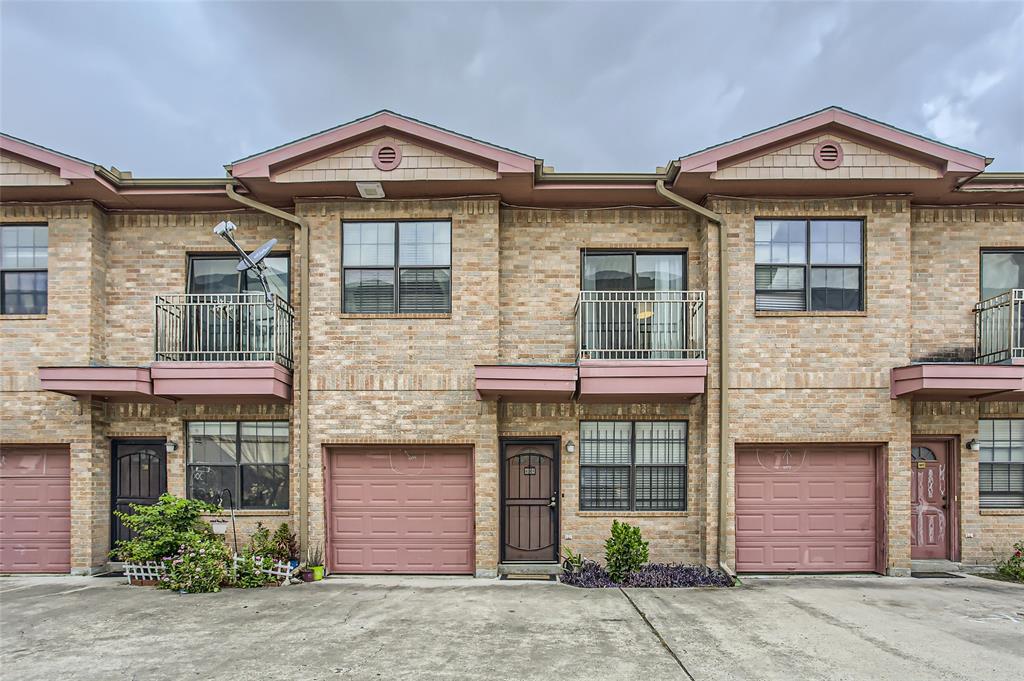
(651, 576)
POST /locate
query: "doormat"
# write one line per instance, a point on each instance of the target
(935, 575)
(531, 578)
(117, 573)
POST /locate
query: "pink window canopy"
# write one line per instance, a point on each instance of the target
(986, 382)
(195, 382)
(526, 383)
(642, 380)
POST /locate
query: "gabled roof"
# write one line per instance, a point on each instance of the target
(68, 167)
(259, 165)
(833, 117)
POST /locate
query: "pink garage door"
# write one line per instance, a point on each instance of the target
(35, 509)
(805, 508)
(404, 510)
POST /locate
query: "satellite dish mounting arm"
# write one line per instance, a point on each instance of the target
(249, 263)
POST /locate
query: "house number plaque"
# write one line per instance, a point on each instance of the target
(529, 470)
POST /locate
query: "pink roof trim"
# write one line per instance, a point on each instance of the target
(259, 165)
(68, 167)
(957, 160)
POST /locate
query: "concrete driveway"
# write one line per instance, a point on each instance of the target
(449, 628)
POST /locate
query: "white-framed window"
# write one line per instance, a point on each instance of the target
(633, 465)
(249, 459)
(23, 269)
(1001, 463)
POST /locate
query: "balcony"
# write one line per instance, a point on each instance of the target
(216, 327)
(641, 346)
(997, 373)
(645, 325)
(999, 329)
(208, 348)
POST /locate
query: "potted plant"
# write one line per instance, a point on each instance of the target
(286, 546)
(315, 561)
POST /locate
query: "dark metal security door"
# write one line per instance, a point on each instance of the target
(529, 498)
(139, 477)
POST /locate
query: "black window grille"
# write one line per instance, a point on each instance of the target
(633, 466)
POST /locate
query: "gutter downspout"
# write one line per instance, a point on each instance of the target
(723, 358)
(303, 354)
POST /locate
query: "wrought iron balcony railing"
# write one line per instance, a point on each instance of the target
(640, 325)
(216, 327)
(999, 328)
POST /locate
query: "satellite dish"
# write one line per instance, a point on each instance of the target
(250, 262)
(256, 257)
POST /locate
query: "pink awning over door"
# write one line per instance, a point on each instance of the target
(35, 509)
(806, 508)
(401, 509)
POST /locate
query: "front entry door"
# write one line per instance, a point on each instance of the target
(529, 497)
(929, 500)
(139, 477)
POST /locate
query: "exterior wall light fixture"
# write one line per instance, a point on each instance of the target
(973, 445)
(171, 446)
(570, 446)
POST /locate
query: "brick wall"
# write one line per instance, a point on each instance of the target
(399, 377)
(516, 273)
(823, 377)
(946, 280)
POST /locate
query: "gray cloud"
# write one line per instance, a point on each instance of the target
(180, 88)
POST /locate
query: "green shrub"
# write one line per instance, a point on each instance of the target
(625, 551)
(286, 546)
(247, 572)
(260, 553)
(1013, 567)
(261, 543)
(199, 566)
(162, 528)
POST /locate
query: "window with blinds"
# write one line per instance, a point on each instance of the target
(814, 265)
(23, 269)
(1001, 463)
(397, 267)
(633, 465)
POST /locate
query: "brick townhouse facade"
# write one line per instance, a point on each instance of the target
(798, 351)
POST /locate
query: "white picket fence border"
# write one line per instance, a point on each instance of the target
(278, 569)
(151, 569)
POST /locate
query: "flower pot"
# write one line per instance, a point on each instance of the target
(318, 572)
(306, 575)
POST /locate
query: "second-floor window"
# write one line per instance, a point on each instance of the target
(1001, 271)
(219, 274)
(809, 265)
(403, 267)
(634, 271)
(23, 269)
(1001, 463)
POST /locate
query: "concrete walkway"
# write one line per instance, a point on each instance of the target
(451, 628)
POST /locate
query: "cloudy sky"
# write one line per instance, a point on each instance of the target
(180, 88)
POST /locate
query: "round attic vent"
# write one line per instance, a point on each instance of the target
(828, 154)
(387, 156)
